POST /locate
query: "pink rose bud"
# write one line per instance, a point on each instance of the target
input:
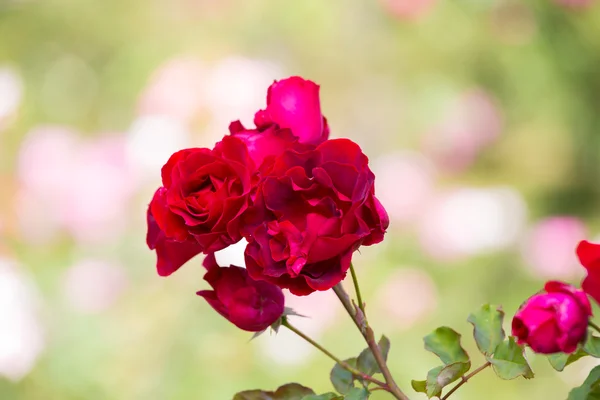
(553, 321)
(248, 304)
(294, 103)
(589, 257)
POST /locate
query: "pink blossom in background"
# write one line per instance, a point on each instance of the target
(549, 248)
(286, 348)
(575, 3)
(408, 9)
(21, 331)
(11, 93)
(92, 286)
(470, 221)
(405, 184)
(177, 89)
(79, 185)
(473, 123)
(407, 297)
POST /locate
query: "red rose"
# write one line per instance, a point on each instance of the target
(589, 256)
(317, 207)
(171, 254)
(553, 321)
(248, 304)
(204, 195)
(294, 103)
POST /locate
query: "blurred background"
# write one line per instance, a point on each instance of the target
(481, 119)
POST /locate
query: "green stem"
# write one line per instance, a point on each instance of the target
(344, 364)
(357, 289)
(593, 325)
(361, 322)
(465, 379)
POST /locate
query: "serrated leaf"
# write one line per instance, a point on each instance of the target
(357, 394)
(590, 389)
(325, 396)
(419, 386)
(341, 379)
(366, 361)
(290, 391)
(445, 343)
(287, 311)
(559, 361)
(438, 378)
(487, 328)
(509, 362)
(592, 346)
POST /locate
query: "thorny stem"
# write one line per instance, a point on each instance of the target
(361, 305)
(593, 325)
(465, 379)
(359, 319)
(344, 364)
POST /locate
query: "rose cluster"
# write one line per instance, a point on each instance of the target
(557, 319)
(303, 202)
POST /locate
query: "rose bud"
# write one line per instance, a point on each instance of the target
(248, 304)
(294, 103)
(203, 198)
(553, 321)
(316, 208)
(589, 256)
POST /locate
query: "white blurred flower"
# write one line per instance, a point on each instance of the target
(151, 140)
(472, 124)
(232, 255)
(470, 221)
(549, 248)
(237, 89)
(406, 298)
(176, 89)
(404, 185)
(92, 286)
(11, 93)
(21, 332)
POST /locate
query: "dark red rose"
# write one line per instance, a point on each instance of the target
(204, 195)
(294, 103)
(553, 321)
(248, 304)
(170, 254)
(317, 207)
(589, 256)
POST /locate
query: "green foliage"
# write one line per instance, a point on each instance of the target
(591, 348)
(590, 389)
(325, 396)
(357, 394)
(342, 379)
(509, 362)
(289, 391)
(487, 328)
(445, 343)
(366, 361)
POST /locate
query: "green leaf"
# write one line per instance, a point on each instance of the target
(592, 346)
(433, 389)
(290, 391)
(445, 343)
(342, 379)
(419, 386)
(590, 389)
(357, 394)
(366, 361)
(509, 362)
(440, 377)
(325, 396)
(560, 360)
(487, 328)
